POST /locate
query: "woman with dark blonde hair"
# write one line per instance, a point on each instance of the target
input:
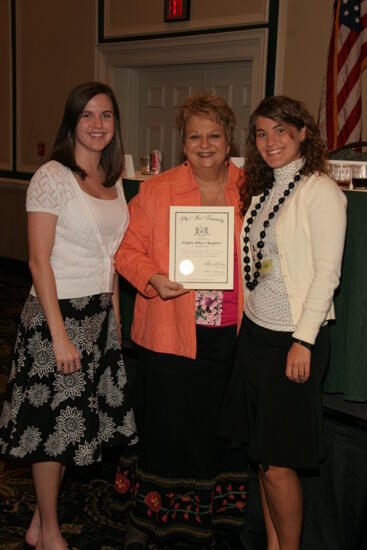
(66, 395)
(292, 246)
(189, 484)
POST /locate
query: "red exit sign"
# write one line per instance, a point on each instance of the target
(176, 10)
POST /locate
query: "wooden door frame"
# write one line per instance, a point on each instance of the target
(117, 64)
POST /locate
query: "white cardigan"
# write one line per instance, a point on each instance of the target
(310, 232)
(79, 258)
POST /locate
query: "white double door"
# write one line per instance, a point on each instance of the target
(162, 90)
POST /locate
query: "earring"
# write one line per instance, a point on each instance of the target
(227, 161)
(186, 162)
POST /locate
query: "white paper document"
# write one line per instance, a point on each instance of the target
(201, 246)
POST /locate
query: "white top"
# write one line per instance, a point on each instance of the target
(107, 214)
(310, 232)
(268, 304)
(81, 262)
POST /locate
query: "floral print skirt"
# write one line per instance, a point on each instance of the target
(48, 416)
(189, 484)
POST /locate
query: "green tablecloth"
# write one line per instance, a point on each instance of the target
(347, 372)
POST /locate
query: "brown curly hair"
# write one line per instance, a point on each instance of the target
(208, 106)
(258, 175)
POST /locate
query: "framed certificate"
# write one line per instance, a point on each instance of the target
(201, 246)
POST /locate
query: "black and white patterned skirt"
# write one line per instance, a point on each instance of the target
(48, 416)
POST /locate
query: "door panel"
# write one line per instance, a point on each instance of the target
(164, 89)
(162, 92)
(233, 82)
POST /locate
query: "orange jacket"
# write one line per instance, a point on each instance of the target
(166, 326)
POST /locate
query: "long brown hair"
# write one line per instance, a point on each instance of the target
(258, 175)
(112, 158)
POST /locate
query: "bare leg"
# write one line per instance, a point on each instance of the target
(273, 541)
(34, 528)
(283, 494)
(46, 478)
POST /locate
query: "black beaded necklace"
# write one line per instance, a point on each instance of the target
(251, 284)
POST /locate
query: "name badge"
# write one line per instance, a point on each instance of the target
(266, 267)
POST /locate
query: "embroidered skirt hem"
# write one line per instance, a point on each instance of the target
(189, 483)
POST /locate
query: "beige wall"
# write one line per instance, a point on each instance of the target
(56, 49)
(55, 44)
(303, 49)
(305, 41)
(123, 18)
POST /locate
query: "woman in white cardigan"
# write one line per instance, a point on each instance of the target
(292, 246)
(66, 393)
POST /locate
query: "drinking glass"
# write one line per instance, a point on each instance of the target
(360, 176)
(342, 174)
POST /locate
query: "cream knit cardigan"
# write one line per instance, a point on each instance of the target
(310, 232)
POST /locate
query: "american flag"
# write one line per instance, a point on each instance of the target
(340, 107)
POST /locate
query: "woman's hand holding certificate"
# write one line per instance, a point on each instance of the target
(201, 246)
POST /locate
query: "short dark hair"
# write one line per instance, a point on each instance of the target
(258, 175)
(112, 158)
(209, 106)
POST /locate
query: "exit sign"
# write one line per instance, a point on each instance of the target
(176, 10)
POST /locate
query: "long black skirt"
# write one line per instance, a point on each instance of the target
(189, 483)
(280, 419)
(49, 416)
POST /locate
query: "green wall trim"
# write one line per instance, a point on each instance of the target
(272, 47)
(14, 83)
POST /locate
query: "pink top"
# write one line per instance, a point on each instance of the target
(218, 308)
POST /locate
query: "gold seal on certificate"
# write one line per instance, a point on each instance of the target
(201, 246)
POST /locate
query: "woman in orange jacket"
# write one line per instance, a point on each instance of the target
(189, 484)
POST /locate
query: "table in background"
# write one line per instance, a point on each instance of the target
(347, 372)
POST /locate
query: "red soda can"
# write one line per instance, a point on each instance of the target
(156, 161)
